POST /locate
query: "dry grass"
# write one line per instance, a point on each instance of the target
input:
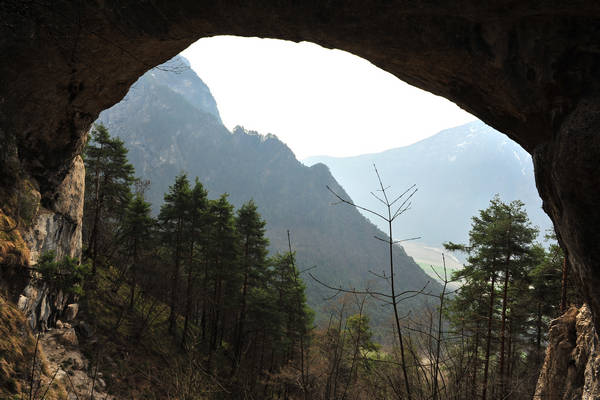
(17, 348)
(13, 249)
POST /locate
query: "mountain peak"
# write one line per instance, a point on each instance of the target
(178, 76)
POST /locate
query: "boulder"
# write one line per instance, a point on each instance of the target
(22, 303)
(71, 311)
(69, 337)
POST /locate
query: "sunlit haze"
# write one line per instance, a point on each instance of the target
(318, 101)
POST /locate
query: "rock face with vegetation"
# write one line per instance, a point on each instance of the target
(571, 368)
(60, 230)
(37, 228)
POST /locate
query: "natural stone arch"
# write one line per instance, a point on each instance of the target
(528, 69)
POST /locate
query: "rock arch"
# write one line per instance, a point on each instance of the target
(527, 68)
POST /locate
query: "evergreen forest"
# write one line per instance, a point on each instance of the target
(191, 304)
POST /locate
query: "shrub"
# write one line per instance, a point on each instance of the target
(67, 275)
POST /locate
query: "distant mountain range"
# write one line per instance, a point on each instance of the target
(457, 172)
(170, 123)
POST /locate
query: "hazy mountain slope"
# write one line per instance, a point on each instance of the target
(177, 75)
(167, 134)
(457, 172)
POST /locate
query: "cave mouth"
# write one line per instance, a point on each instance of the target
(289, 82)
(318, 101)
(527, 70)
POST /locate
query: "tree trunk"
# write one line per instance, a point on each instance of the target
(489, 340)
(188, 307)
(395, 305)
(503, 329)
(242, 317)
(175, 277)
(133, 274)
(475, 361)
(190, 278)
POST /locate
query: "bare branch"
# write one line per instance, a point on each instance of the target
(351, 291)
(342, 200)
(407, 240)
(383, 189)
(382, 276)
(307, 269)
(378, 198)
(403, 193)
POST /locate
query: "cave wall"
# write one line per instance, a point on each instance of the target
(527, 68)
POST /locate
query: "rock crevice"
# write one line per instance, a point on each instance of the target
(572, 363)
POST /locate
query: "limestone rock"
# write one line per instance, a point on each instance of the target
(68, 360)
(71, 311)
(61, 374)
(60, 229)
(69, 337)
(78, 362)
(59, 324)
(41, 305)
(22, 302)
(572, 362)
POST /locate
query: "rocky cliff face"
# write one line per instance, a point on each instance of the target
(53, 225)
(58, 228)
(571, 369)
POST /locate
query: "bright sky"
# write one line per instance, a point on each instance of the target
(318, 101)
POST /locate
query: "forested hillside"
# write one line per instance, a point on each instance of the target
(167, 133)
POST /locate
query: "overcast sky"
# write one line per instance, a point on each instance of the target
(318, 101)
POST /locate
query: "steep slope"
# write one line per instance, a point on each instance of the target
(166, 134)
(457, 172)
(19, 349)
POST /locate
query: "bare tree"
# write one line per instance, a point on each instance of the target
(394, 207)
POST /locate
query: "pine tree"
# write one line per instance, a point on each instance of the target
(108, 180)
(173, 217)
(297, 317)
(196, 230)
(222, 271)
(500, 252)
(253, 263)
(137, 231)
